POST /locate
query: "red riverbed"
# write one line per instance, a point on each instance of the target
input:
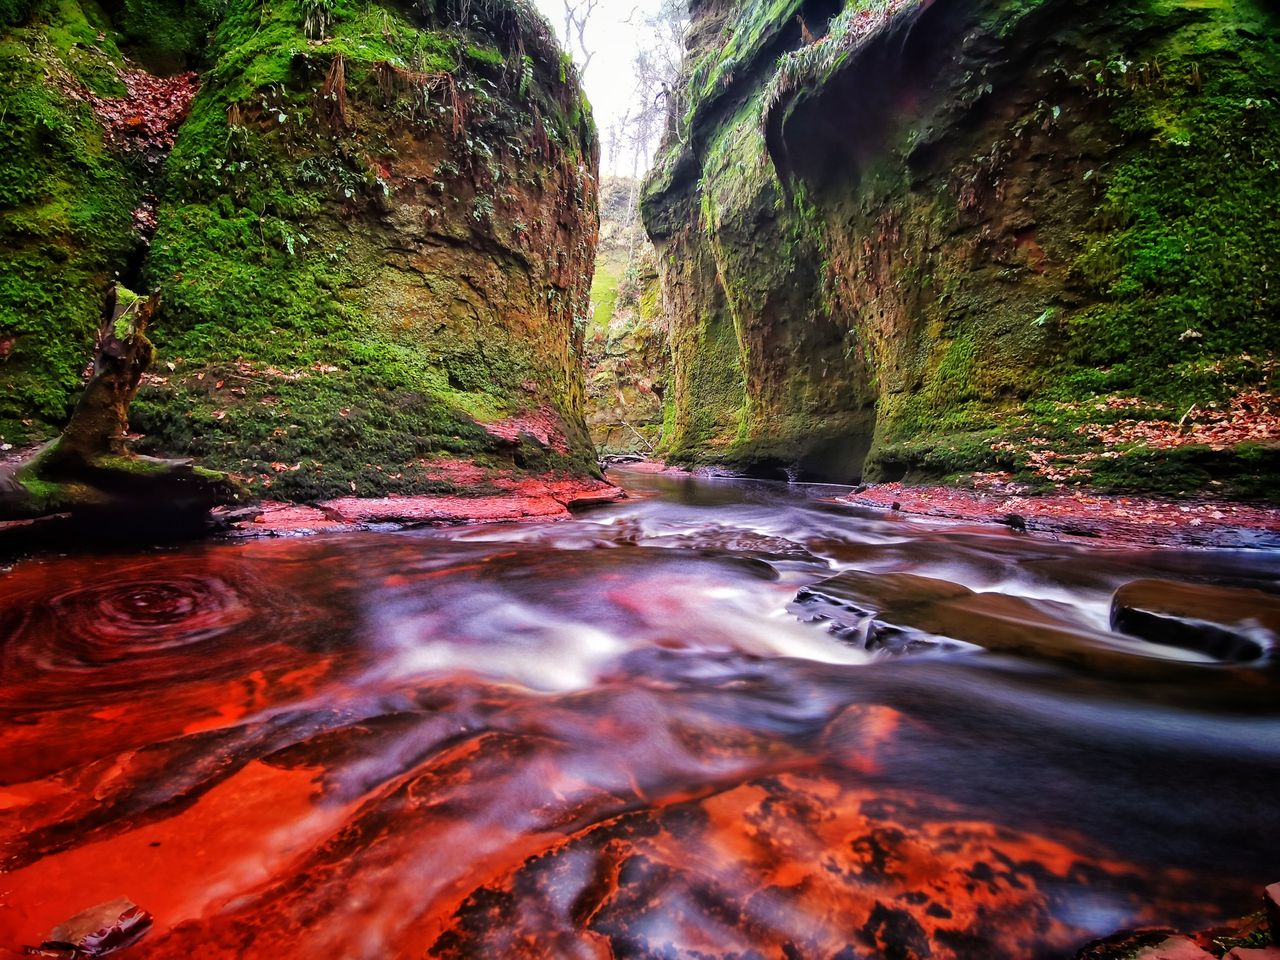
(609, 737)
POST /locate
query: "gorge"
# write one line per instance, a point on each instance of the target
(939, 619)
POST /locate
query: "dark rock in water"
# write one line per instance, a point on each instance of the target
(864, 607)
(617, 459)
(1014, 522)
(97, 931)
(1244, 938)
(1125, 944)
(1229, 623)
(852, 618)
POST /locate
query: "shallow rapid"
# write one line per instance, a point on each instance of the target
(720, 718)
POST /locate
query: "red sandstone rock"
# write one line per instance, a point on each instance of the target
(537, 498)
(296, 518)
(1133, 519)
(97, 931)
(543, 425)
(1175, 948)
(448, 509)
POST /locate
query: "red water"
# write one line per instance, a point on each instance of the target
(613, 738)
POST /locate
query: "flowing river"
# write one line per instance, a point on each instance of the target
(717, 719)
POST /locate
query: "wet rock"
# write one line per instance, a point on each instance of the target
(534, 498)
(1248, 933)
(1173, 948)
(1144, 945)
(1015, 522)
(1124, 944)
(1118, 519)
(97, 931)
(1228, 623)
(863, 606)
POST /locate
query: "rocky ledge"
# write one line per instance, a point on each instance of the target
(1144, 520)
(528, 498)
(1249, 938)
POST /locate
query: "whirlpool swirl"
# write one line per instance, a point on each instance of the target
(102, 628)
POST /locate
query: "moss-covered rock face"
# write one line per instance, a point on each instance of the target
(626, 348)
(66, 201)
(626, 355)
(373, 240)
(908, 238)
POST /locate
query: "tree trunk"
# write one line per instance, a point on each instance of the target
(100, 422)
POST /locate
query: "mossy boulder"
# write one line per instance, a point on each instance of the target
(912, 239)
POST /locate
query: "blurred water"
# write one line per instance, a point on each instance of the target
(622, 735)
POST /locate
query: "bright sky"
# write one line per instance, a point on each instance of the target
(609, 81)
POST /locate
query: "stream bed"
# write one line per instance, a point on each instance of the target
(717, 719)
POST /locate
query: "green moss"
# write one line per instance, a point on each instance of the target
(813, 64)
(1191, 220)
(490, 56)
(710, 415)
(1189, 274)
(324, 381)
(138, 466)
(1248, 473)
(1097, 217)
(288, 348)
(65, 214)
(169, 33)
(752, 27)
(609, 272)
(44, 494)
(297, 356)
(951, 456)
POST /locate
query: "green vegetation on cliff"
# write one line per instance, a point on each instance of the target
(373, 237)
(66, 201)
(986, 235)
(626, 348)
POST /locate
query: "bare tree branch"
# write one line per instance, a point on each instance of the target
(577, 14)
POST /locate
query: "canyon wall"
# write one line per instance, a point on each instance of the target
(910, 238)
(626, 348)
(371, 227)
